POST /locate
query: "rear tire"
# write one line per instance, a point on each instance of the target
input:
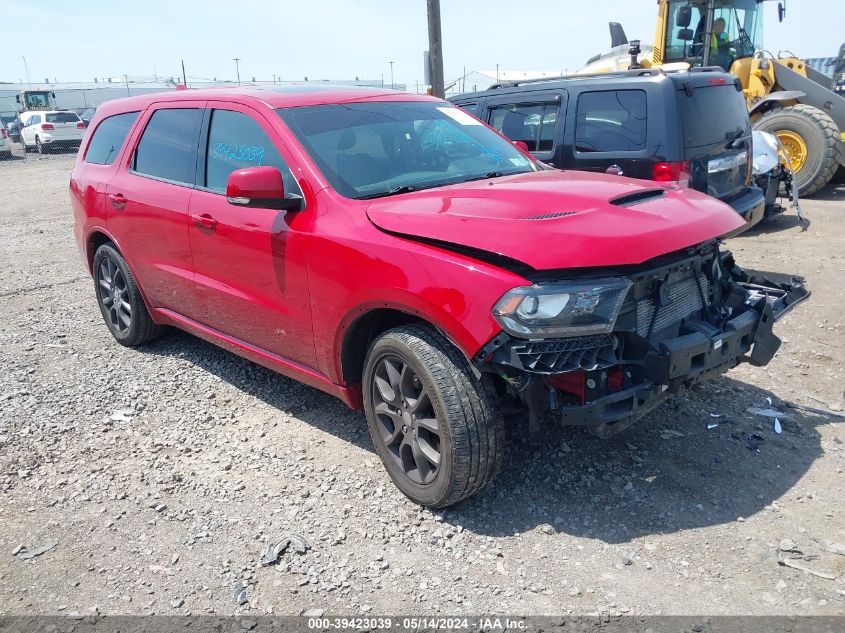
(120, 300)
(468, 438)
(820, 136)
(39, 147)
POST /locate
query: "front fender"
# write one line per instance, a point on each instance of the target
(775, 98)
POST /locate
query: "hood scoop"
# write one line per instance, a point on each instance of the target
(549, 216)
(638, 197)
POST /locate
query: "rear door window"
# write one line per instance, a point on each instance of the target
(533, 123)
(611, 121)
(714, 114)
(63, 117)
(168, 147)
(235, 141)
(108, 138)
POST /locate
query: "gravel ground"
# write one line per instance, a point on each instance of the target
(160, 474)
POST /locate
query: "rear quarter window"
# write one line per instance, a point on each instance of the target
(611, 121)
(109, 138)
(472, 108)
(532, 123)
(168, 147)
(713, 114)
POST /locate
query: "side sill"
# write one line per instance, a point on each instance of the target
(291, 369)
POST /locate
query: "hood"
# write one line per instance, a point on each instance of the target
(554, 219)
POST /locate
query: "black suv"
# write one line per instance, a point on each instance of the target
(690, 128)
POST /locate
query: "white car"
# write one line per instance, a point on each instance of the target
(5, 143)
(51, 128)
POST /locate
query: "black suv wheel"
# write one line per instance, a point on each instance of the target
(120, 299)
(436, 428)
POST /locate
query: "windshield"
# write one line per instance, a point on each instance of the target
(737, 32)
(368, 150)
(36, 100)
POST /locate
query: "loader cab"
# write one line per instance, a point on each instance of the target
(36, 100)
(736, 31)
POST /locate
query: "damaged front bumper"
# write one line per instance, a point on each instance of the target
(608, 382)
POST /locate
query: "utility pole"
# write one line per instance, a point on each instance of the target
(184, 76)
(237, 61)
(392, 85)
(126, 79)
(435, 48)
(26, 68)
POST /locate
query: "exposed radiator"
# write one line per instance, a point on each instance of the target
(684, 301)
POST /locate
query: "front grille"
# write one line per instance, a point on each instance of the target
(571, 354)
(684, 300)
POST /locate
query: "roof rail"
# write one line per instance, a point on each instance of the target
(640, 72)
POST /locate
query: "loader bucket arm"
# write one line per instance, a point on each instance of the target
(815, 95)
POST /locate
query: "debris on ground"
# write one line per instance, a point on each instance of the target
(161, 569)
(667, 434)
(710, 427)
(754, 441)
(272, 552)
(796, 564)
(778, 427)
(834, 548)
(239, 593)
(122, 415)
(769, 413)
(312, 613)
(32, 553)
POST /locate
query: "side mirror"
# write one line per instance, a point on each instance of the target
(522, 146)
(685, 35)
(684, 17)
(18, 98)
(260, 187)
(781, 11)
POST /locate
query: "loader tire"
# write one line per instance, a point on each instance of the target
(812, 139)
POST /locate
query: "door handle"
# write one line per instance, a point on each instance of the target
(118, 200)
(204, 220)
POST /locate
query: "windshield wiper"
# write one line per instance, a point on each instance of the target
(487, 176)
(732, 137)
(390, 192)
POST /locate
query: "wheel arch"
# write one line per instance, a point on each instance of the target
(367, 325)
(95, 238)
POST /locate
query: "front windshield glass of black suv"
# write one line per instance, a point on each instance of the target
(375, 149)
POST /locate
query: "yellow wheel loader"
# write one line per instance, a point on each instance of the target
(785, 97)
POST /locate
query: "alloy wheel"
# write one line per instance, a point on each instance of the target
(407, 425)
(113, 292)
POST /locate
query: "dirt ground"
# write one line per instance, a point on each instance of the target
(158, 475)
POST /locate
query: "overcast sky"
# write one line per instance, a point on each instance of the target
(343, 39)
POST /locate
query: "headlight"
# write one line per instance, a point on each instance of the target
(562, 309)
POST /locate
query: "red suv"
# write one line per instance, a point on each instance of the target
(397, 253)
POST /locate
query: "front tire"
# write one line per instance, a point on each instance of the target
(812, 139)
(120, 300)
(435, 426)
